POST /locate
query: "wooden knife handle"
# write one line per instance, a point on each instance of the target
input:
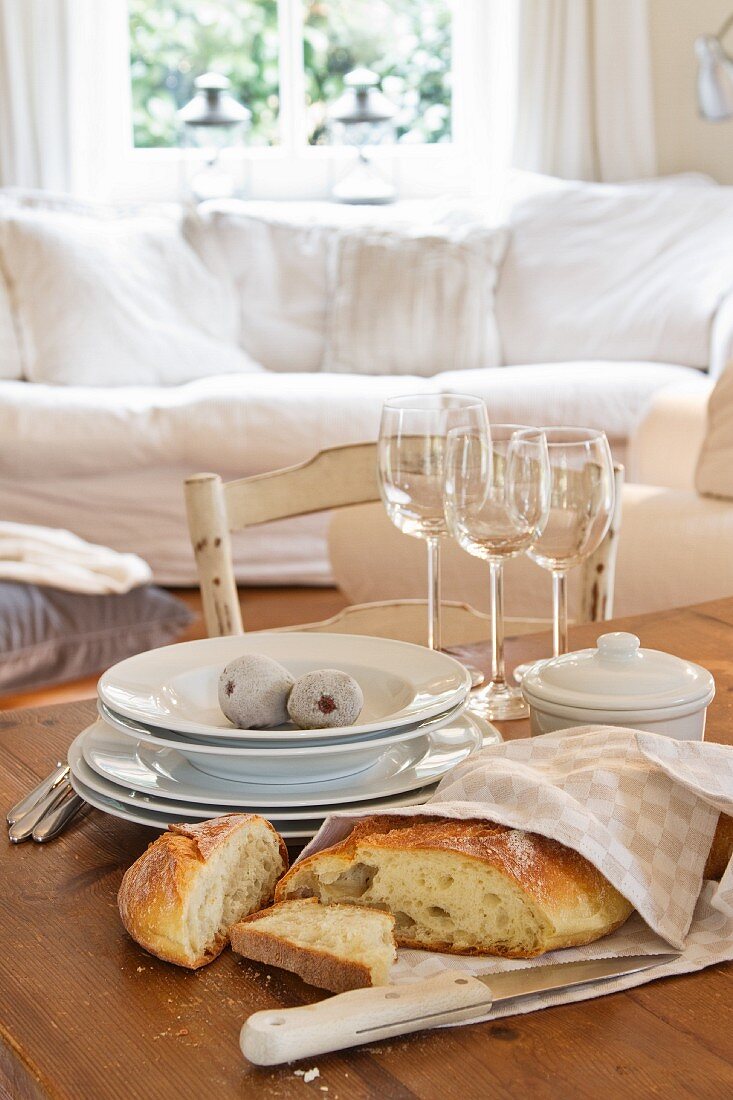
(362, 1016)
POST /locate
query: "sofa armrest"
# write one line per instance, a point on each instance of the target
(721, 337)
(665, 446)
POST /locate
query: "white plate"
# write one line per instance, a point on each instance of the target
(168, 774)
(98, 783)
(277, 764)
(176, 687)
(289, 831)
(233, 745)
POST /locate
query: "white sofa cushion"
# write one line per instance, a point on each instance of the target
(113, 300)
(606, 271)
(414, 302)
(280, 258)
(111, 463)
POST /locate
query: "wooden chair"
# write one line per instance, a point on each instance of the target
(337, 478)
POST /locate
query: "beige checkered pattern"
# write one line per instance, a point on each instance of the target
(641, 807)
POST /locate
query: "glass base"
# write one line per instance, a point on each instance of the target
(498, 702)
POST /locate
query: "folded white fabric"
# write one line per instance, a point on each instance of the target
(642, 807)
(59, 559)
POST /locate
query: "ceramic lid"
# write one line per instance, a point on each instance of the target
(618, 675)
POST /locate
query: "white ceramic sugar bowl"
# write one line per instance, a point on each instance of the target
(619, 684)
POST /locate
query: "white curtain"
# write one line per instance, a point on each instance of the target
(584, 90)
(62, 93)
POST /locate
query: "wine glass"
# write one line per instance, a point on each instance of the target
(411, 454)
(582, 494)
(496, 503)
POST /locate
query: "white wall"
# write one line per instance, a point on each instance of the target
(684, 141)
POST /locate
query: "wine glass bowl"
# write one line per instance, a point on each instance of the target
(582, 498)
(410, 466)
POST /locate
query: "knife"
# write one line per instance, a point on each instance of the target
(365, 1015)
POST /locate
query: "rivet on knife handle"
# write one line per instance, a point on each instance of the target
(55, 821)
(362, 1016)
(29, 801)
(22, 828)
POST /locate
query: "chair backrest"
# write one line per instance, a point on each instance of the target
(334, 478)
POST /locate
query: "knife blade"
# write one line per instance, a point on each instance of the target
(365, 1015)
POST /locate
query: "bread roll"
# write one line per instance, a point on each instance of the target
(182, 896)
(336, 947)
(467, 887)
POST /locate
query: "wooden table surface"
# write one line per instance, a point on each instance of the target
(86, 1015)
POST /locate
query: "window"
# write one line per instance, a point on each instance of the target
(286, 61)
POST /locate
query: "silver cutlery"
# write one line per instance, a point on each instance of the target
(56, 819)
(58, 775)
(22, 828)
(365, 1015)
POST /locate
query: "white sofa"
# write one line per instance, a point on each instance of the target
(607, 296)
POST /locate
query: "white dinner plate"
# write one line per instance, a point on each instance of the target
(168, 774)
(176, 687)
(277, 764)
(293, 831)
(225, 747)
(98, 783)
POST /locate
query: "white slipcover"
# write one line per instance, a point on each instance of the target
(109, 463)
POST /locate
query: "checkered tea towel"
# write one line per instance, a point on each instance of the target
(640, 806)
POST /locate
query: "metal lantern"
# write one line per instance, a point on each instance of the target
(212, 124)
(363, 117)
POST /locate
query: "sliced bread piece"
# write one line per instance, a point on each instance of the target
(336, 947)
(184, 893)
(468, 887)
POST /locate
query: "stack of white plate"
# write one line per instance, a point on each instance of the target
(162, 750)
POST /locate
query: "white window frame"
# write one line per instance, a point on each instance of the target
(293, 169)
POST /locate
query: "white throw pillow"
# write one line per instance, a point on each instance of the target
(615, 271)
(714, 473)
(114, 301)
(415, 303)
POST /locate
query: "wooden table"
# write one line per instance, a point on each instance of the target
(86, 1015)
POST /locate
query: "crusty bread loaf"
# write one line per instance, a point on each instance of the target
(184, 893)
(468, 887)
(721, 849)
(336, 947)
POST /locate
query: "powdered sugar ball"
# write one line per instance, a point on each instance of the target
(325, 698)
(253, 692)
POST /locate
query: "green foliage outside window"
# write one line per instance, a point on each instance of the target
(407, 42)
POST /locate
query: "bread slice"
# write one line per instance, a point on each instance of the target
(183, 894)
(467, 887)
(336, 947)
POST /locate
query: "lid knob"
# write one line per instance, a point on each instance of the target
(618, 646)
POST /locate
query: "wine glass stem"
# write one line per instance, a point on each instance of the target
(560, 613)
(498, 672)
(434, 639)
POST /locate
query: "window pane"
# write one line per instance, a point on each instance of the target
(408, 42)
(175, 42)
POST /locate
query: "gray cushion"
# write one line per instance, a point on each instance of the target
(47, 636)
